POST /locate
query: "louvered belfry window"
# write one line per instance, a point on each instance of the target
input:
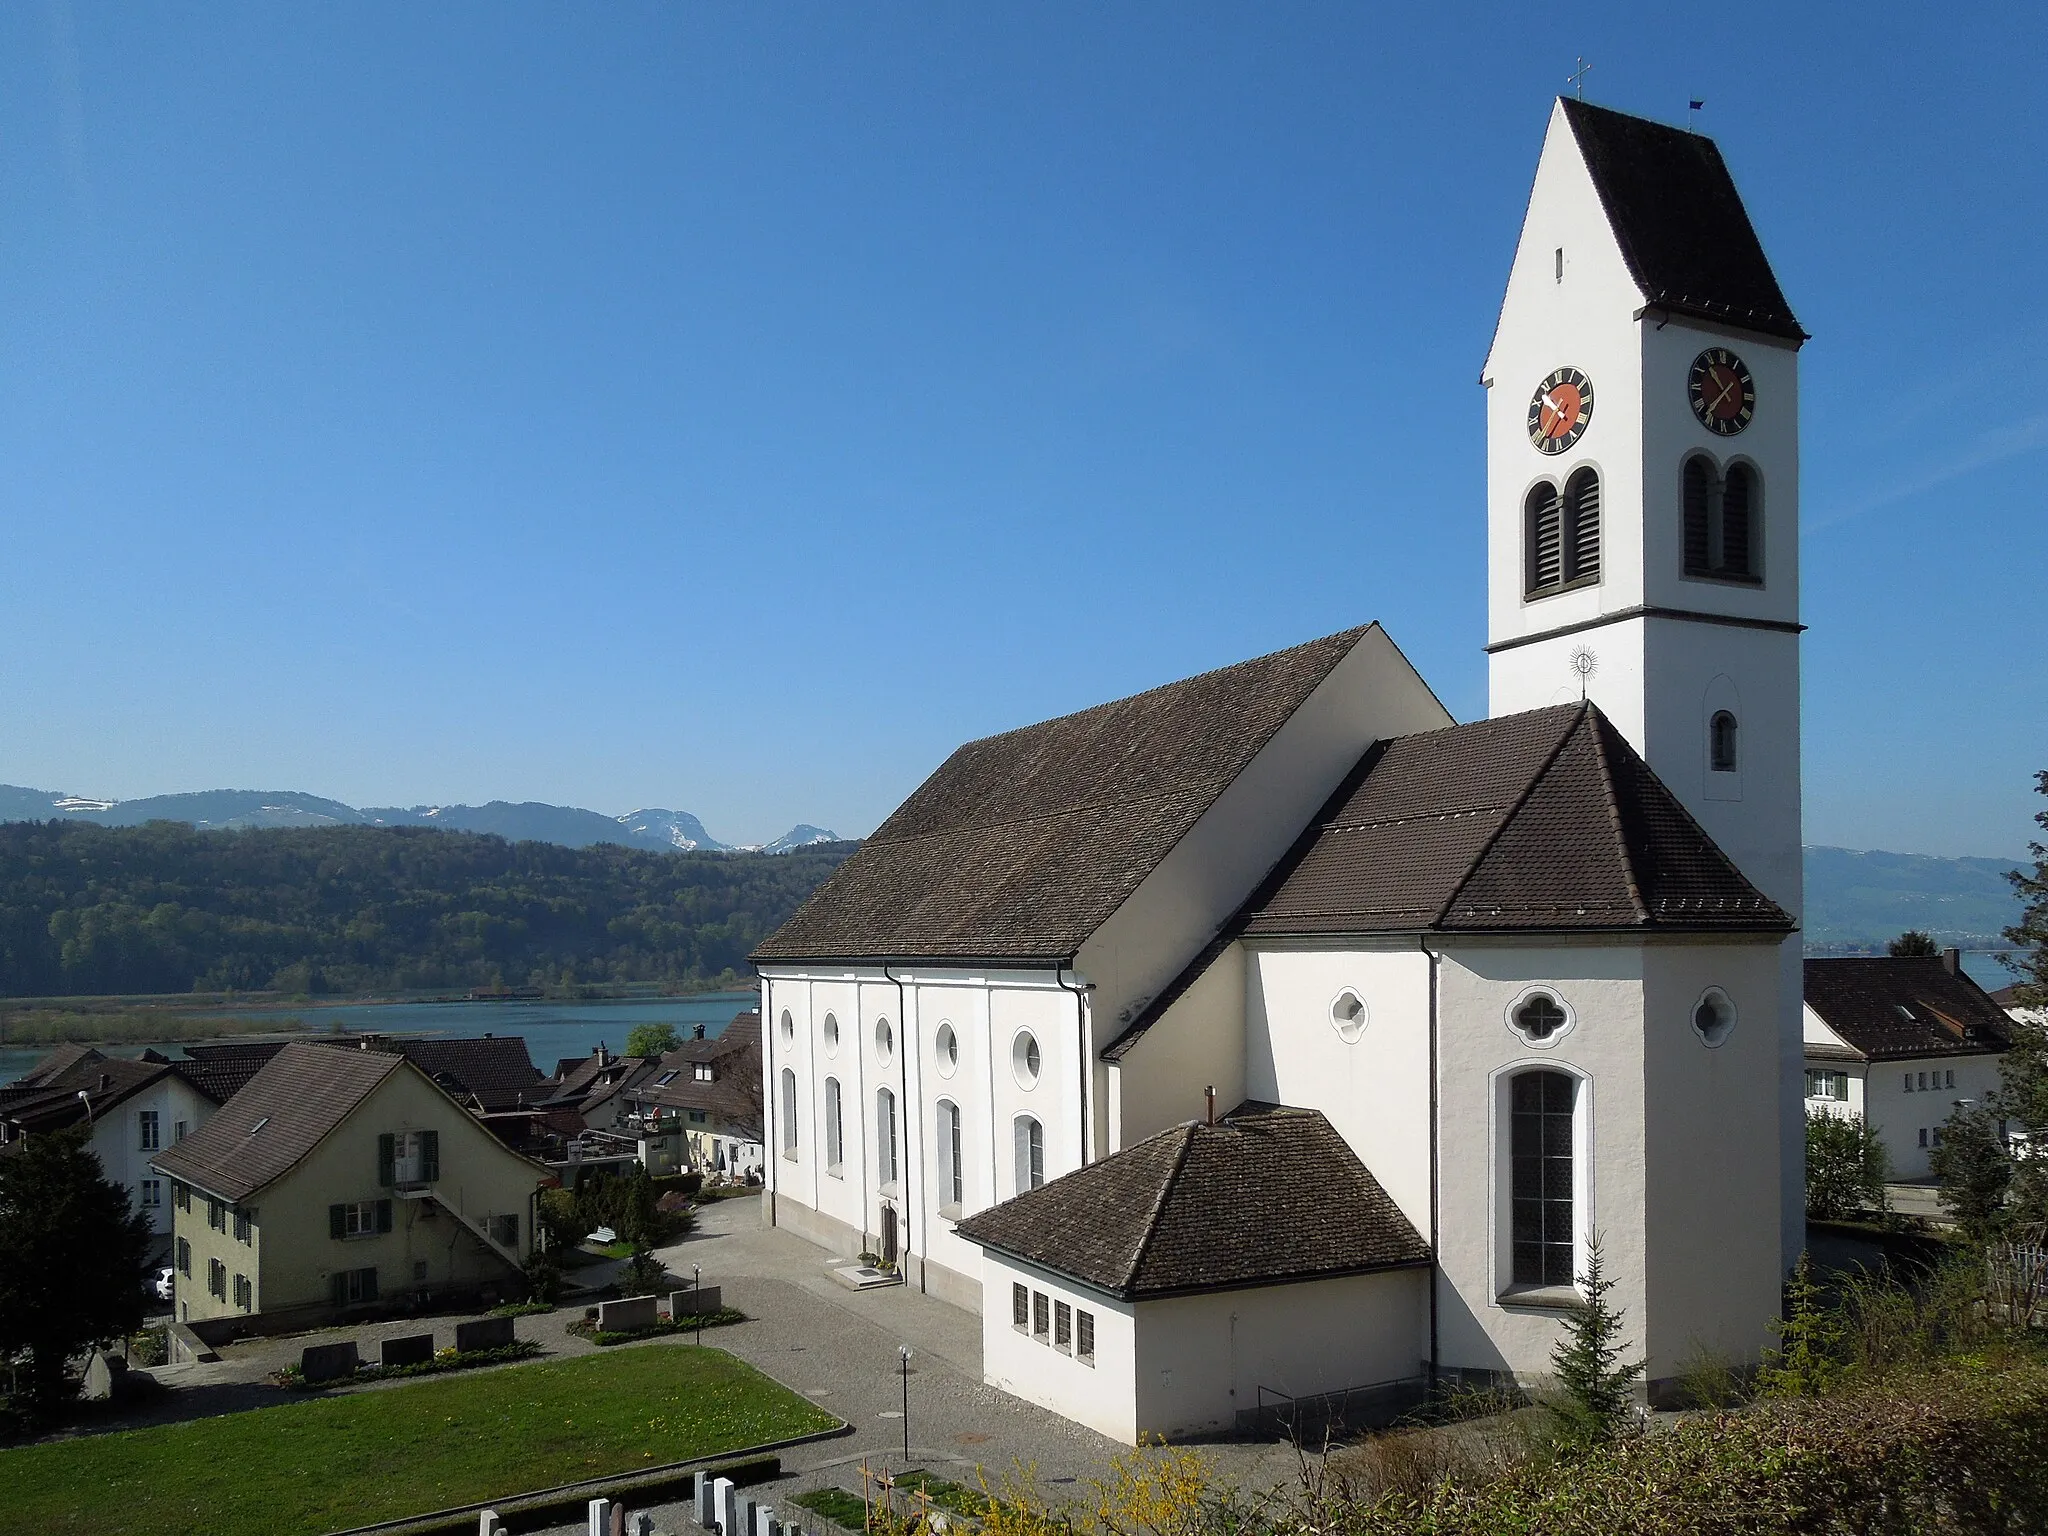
(1563, 534)
(1720, 521)
(1545, 540)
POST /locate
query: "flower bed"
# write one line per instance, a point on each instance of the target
(585, 1328)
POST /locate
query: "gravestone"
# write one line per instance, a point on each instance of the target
(728, 1506)
(413, 1349)
(328, 1362)
(698, 1303)
(488, 1524)
(618, 1525)
(103, 1376)
(766, 1521)
(707, 1502)
(745, 1511)
(643, 1524)
(625, 1316)
(484, 1333)
(599, 1518)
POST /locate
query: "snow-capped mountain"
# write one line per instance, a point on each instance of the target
(669, 829)
(525, 821)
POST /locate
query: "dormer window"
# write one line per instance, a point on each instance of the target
(703, 1072)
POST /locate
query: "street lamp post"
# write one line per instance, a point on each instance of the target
(904, 1352)
(697, 1298)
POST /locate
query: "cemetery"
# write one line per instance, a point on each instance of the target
(336, 1462)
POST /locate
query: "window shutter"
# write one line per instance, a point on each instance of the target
(1545, 545)
(387, 1160)
(370, 1284)
(1699, 557)
(383, 1215)
(430, 1156)
(1582, 495)
(337, 1221)
(1735, 540)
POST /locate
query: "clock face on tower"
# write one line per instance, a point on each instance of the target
(1722, 392)
(1560, 410)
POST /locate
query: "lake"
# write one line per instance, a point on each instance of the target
(552, 1030)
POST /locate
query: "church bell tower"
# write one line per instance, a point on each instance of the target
(1642, 427)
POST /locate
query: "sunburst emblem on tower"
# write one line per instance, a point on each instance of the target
(1584, 663)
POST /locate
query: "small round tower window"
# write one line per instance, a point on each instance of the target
(1540, 1016)
(1025, 1060)
(1348, 1014)
(949, 1050)
(1713, 1016)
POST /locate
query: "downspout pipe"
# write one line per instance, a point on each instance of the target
(1080, 994)
(1435, 1174)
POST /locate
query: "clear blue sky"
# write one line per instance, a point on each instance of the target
(731, 408)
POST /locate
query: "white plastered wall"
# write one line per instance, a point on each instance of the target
(1197, 1043)
(1103, 1395)
(1202, 1360)
(1902, 1115)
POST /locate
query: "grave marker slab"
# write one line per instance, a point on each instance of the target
(412, 1349)
(328, 1362)
(698, 1303)
(484, 1333)
(624, 1316)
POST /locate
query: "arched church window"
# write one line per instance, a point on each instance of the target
(1721, 742)
(1540, 1149)
(1030, 1154)
(788, 1113)
(885, 1137)
(1582, 522)
(952, 1180)
(1698, 495)
(835, 1132)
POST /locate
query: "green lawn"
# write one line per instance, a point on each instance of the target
(349, 1460)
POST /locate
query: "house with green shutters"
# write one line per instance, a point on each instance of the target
(338, 1180)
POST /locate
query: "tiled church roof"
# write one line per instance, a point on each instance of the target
(1894, 1007)
(1679, 221)
(1260, 1198)
(1021, 845)
(1545, 821)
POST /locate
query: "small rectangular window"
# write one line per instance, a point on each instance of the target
(1560, 264)
(243, 1227)
(1909, 1082)
(1020, 1308)
(185, 1258)
(181, 1195)
(1041, 1315)
(1062, 1326)
(1084, 1336)
(245, 1293)
(1923, 1137)
(1937, 1135)
(178, 1131)
(216, 1215)
(152, 1194)
(147, 1120)
(217, 1279)
(1948, 1079)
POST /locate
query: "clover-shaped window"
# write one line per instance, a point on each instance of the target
(1713, 1017)
(1540, 1016)
(1349, 1016)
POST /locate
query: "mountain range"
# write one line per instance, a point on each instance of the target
(526, 821)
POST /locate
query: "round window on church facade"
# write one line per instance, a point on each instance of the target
(1349, 1016)
(1540, 1016)
(885, 1040)
(949, 1050)
(831, 1034)
(1713, 1017)
(788, 1026)
(1025, 1060)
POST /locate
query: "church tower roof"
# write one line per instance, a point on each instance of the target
(1679, 221)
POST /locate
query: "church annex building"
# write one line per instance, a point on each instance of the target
(1270, 1036)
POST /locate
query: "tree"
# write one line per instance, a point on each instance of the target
(1809, 1336)
(1912, 942)
(1599, 1390)
(652, 1040)
(71, 1256)
(1975, 1168)
(1846, 1166)
(2030, 934)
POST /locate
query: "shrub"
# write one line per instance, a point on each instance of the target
(1846, 1166)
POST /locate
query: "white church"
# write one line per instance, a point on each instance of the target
(1270, 1038)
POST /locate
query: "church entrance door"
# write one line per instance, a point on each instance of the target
(888, 1234)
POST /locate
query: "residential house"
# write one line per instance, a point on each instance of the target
(486, 1073)
(1900, 1041)
(708, 1093)
(135, 1107)
(338, 1179)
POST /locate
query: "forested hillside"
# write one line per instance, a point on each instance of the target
(163, 908)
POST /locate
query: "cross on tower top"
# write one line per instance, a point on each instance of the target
(1577, 79)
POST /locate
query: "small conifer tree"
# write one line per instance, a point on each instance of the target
(1598, 1389)
(1805, 1362)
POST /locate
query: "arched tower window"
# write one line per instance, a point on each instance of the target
(1540, 1150)
(1030, 1154)
(1562, 534)
(1720, 511)
(1721, 742)
(1582, 526)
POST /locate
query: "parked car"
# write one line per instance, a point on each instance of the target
(166, 1284)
